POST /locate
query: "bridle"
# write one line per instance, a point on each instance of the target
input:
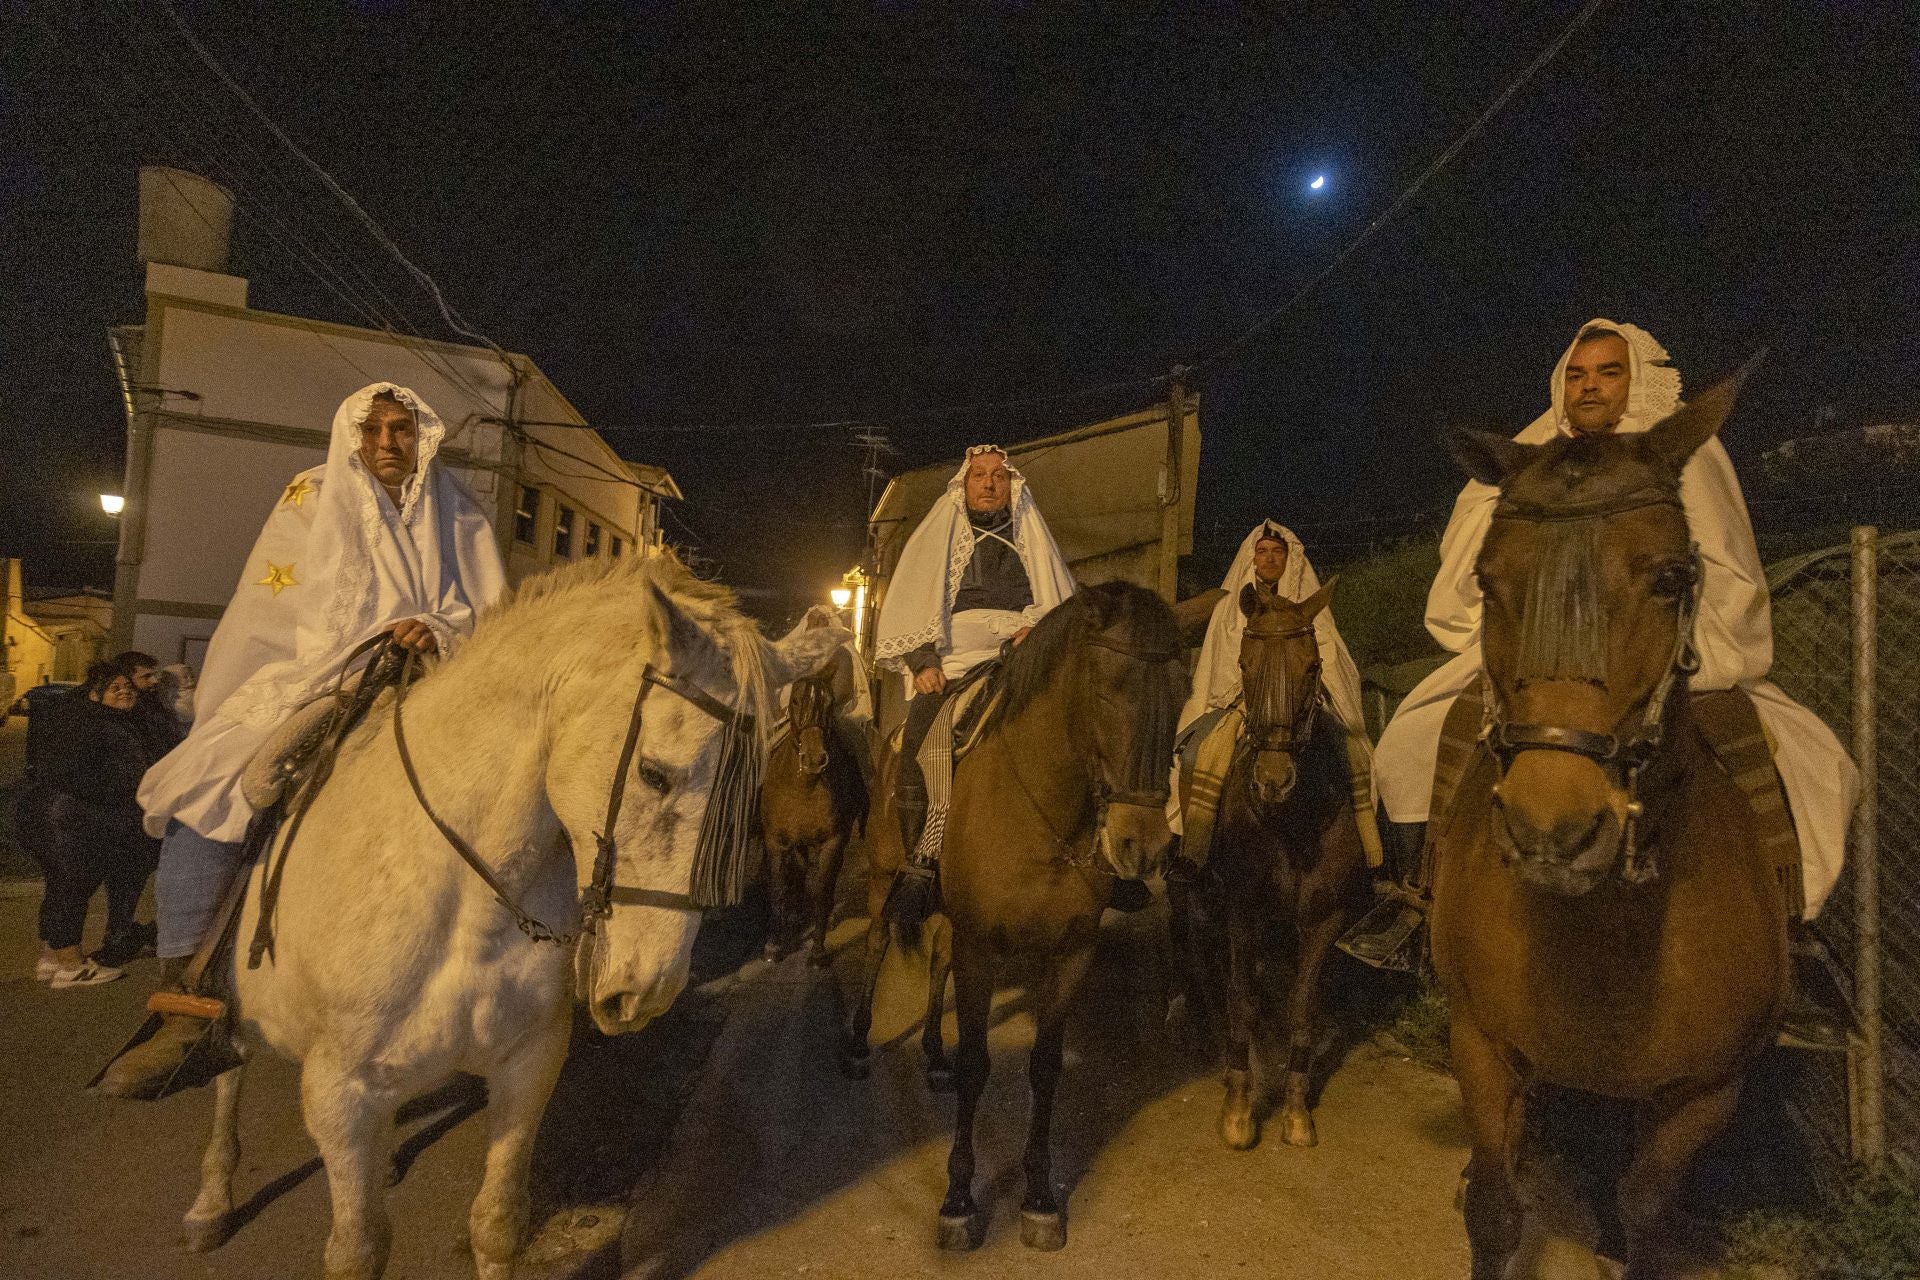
(1631, 752)
(1138, 790)
(1293, 735)
(808, 696)
(602, 892)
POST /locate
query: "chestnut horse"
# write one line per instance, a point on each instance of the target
(1066, 789)
(813, 797)
(1286, 850)
(1603, 918)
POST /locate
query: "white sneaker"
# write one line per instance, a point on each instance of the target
(89, 973)
(45, 969)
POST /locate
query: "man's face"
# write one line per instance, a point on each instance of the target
(389, 442)
(1599, 375)
(144, 678)
(989, 486)
(1269, 559)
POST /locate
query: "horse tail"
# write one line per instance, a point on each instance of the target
(913, 899)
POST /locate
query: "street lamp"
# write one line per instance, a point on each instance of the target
(853, 587)
(112, 503)
(841, 597)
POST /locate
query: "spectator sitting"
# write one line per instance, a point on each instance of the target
(92, 757)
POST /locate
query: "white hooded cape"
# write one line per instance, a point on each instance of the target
(1216, 676)
(335, 564)
(1733, 630)
(918, 608)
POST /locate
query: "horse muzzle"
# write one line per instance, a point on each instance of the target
(1567, 857)
(1134, 838)
(1274, 776)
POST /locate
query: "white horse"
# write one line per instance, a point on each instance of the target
(394, 965)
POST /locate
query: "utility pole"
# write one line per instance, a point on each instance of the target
(1170, 496)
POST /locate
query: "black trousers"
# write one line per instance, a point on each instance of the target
(82, 848)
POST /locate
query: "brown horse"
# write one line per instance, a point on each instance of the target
(1603, 918)
(1066, 789)
(885, 857)
(1286, 850)
(812, 799)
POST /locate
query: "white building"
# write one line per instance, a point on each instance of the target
(226, 404)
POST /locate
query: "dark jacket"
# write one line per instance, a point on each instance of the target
(95, 754)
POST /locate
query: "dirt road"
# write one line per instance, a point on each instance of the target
(722, 1142)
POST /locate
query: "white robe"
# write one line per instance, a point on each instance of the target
(918, 608)
(1216, 676)
(1733, 632)
(335, 564)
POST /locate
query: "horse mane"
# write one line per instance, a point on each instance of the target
(610, 588)
(1031, 668)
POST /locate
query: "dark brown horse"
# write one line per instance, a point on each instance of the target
(1066, 789)
(1286, 851)
(1603, 917)
(812, 799)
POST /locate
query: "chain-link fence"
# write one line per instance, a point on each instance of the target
(1846, 643)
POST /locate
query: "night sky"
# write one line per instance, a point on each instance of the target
(710, 216)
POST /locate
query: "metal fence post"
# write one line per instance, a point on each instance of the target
(1870, 1070)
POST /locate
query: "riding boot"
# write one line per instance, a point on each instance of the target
(1818, 1015)
(186, 1047)
(1130, 895)
(1387, 936)
(915, 892)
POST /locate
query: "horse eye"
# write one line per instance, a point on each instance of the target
(654, 776)
(1673, 581)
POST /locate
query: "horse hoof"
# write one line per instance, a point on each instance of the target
(1238, 1130)
(961, 1233)
(940, 1079)
(1044, 1231)
(204, 1235)
(1297, 1131)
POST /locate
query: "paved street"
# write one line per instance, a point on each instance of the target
(722, 1141)
(741, 1151)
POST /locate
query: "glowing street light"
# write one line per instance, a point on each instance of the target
(841, 597)
(112, 503)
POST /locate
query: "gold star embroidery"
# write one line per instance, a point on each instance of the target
(297, 491)
(279, 577)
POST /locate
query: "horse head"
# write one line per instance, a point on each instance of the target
(809, 711)
(1280, 681)
(1590, 582)
(1133, 685)
(693, 688)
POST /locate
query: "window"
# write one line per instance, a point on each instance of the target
(593, 540)
(616, 548)
(526, 515)
(563, 533)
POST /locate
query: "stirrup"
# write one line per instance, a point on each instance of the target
(1387, 936)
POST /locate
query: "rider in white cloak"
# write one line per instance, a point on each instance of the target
(1733, 630)
(381, 538)
(978, 573)
(1274, 560)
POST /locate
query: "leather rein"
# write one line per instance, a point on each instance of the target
(1629, 753)
(600, 895)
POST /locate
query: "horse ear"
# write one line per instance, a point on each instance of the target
(1319, 600)
(1675, 438)
(1251, 600)
(803, 653)
(1487, 457)
(679, 640)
